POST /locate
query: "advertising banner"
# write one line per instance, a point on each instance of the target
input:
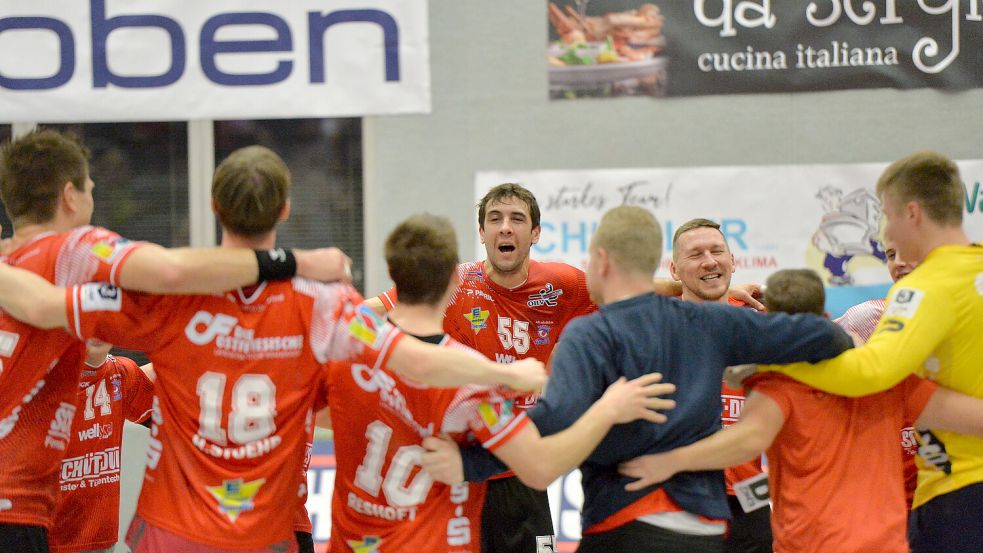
(603, 48)
(158, 60)
(822, 217)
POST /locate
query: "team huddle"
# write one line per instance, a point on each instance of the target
(445, 435)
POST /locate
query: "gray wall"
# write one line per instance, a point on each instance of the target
(491, 112)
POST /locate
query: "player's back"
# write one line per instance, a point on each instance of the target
(237, 377)
(383, 501)
(39, 373)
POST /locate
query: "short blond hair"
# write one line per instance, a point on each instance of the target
(632, 237)
(929, 178)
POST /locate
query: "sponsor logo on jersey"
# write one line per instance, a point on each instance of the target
(496, 415)
(236, 496)
(91, 465)
(237, 342)
(909, 441)
(97, 431)
(368, 327)
(100, 297)
(933, 452)
(117, 385)
(542, 335)
(390, 396)
(368, 544)
(477, 317)
(60, 431)
(474, 276)
(7, 424)
(471, 292)
(732, 405)
(6, 504)
(109, 251)
(904, 303)
(547, 296)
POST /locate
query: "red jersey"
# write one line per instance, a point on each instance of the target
(862, 319)
(87, 515)
(39, 373)
(834, 467)
(732, 400)
(237, 376)
(383, 501)
(505, 324)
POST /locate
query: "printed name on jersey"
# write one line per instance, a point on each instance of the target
(8, 343)
(235, 497)
(96, 431)
(251, 450)
(478, 318)
(109, 250)
(237, 342)
(385, 512)
(99, 296)
(93, 468)
(368, 544)
(904, 303)
(368, 327)
(547, 296)
(496, 415)
(390, 397)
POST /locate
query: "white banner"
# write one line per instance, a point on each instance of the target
(823, 217)
(156, 60)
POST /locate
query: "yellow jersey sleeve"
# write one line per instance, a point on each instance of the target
(916, 320)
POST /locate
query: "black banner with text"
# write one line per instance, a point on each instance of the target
(601, 48)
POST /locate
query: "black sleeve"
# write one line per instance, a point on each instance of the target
(778, 338)
(480, 464)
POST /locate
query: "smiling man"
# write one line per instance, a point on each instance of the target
(703, 263)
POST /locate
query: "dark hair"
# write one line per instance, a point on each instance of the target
(34, 170)
(505, 191)
(250, 189)
(421, 253)
(795, 291)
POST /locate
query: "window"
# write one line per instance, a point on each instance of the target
(325, 161)
(141, 176)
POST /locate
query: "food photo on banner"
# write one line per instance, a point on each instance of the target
(611, 48)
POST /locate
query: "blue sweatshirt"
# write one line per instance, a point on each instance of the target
(691, 345)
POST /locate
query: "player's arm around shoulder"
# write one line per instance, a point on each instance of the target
(31, 299)
(761, 420)
(538, 461)
(155, 269)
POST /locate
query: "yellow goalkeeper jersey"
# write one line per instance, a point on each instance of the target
(932, 326)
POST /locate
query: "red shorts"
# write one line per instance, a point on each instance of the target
(143, 537)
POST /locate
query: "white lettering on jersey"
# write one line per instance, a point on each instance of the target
(235, 341)
(59, 433)
(8, 342)
(97, 431)
(384, 512)
(7, 424)
(459, 527)
(904, 303)
(979, 284)
(389, 396)
(90, 465)
(97, 296)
